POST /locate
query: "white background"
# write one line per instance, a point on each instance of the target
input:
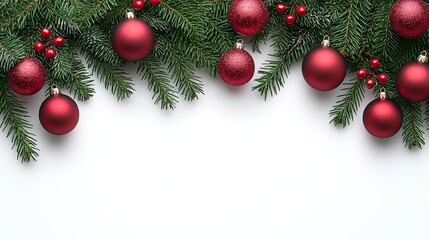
(227, 167)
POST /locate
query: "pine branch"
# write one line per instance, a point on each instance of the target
(346, 108)
(12, 48)
(180, 67)
(290, 50)
(91, 11)
(158, 82)
(413, 135)
(18, 13)
(15, 121)
(114, 78)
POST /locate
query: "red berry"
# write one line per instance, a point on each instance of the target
(59, 41)
(45, 33)
(382, 78)
(301, 10)
(281, 8)
(370, 83)
(50, 53)
(362, 73)
(375, 63)
(290, 19)
(39, 47)
(154, 2)
(138, 5)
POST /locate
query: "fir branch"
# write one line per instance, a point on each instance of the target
(114, 78)
(413, 135)
(92, 11)
(290, 50)
(346, 108)
(158, 82)
(18, 13)
(15, 121)
(180, 67)
(12, 48)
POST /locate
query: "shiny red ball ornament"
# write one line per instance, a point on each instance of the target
(236, 66)
(382, 78)
(27, 77)
(59, 41)
(375, 63)
(281, 8)
(301, 10)
(370, 84)
(362, 73)
(154, 2)
(290, 19)
(138, 5)
(412, 80)
(409, 18)
(45, 33)
(382, 118)
(248, 17)
(50, 53)
(133, 39)
(39, 47)
(324, 68)
(58, 114)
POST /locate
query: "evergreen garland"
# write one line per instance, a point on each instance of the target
(192, 35)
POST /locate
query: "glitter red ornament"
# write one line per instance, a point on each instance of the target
(133, 39)
(409, 18)
(412, 80)
(382, 118)
(248, 17)
(27, 77)
(236, 66)
(324, 68)
(58, 114)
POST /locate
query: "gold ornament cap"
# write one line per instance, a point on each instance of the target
(130, 14)
(326, 42)
(383, 93)
(239, 44)
(55, 90)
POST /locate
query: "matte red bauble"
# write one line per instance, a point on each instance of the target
(409, 18)
(412, 81)
(382, 118)
(58, 114)
(324, 68)
(248, 17)
(236, 66)
(133, 39)
(27, 77)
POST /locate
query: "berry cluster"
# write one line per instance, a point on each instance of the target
(371, 76)
(290, 18)
(49, 52)
(139, 4)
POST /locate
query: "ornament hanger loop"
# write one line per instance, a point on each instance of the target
(383, 93)
(326, 42)
(240, 43)
(423, 58)
(424, 53)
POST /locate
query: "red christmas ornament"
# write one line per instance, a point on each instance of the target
(59, 41)
(281, 8)
(58, 114)
(45, 33)
(27, 77)
(133, 39)
(412, 81)
(382, 117)
(154, 2)
(39, 47)
(290, 19)
(324, 68)
(236, 67)
(409, 18)
(50, 53)
(248, 17)
(301, 10)
(138, 5)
